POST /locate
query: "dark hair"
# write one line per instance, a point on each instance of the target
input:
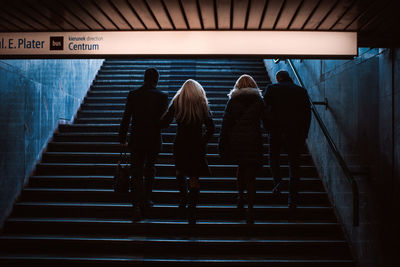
(151, 77)
(283, 76)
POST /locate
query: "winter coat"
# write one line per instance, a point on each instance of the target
(190, 144)
(143, 111)
(241, 134)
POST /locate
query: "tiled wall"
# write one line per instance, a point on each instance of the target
(34, 96)
(363, 117)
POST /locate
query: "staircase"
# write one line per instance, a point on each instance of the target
(69, 214)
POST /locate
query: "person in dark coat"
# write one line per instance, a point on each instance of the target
(190, 109)
(289, 111)
(241, 137)
(143, 110)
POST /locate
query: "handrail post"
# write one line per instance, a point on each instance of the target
(342, 163)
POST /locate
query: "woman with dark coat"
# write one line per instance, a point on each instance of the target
(190, 108)
(241, 137)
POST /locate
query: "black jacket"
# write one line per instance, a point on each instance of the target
(241, 133)
(288, 107)
(144, 108)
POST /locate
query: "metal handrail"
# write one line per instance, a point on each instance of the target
(342, 163)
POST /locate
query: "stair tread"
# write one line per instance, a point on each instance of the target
(174, 258)
(200, 206)
(168, 239)
(213, 223)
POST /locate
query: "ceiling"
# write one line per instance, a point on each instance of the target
(375, 21)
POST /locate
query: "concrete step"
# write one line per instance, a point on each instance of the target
(167, 183)
(114, 147)
(221, 197)
(113, 106)
(167, 158)
(165, 246)
(168, 211)
(162, 169)
(204, 228)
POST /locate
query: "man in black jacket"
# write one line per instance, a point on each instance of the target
(288, 109)
(143, 111)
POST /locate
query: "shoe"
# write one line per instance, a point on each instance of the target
(182, 203)
(191, 217)
(292, 203)
(276, 191)
(149, 204)
(250, 217)
(136, 214)
(240, 203)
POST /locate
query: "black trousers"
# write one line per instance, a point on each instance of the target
(142, 165)
(294, 145)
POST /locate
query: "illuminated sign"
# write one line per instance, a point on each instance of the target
(180, 43)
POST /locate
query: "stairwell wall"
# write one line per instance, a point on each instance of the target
(363, 118)
(35, 96)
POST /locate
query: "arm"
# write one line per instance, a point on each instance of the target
(267, 114)
(168, 117)
(226, 128)
(126, 119)
(209, 128)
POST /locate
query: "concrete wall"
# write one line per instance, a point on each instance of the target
(34, 96)
(364, 120)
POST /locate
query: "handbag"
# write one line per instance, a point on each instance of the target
(122, 174)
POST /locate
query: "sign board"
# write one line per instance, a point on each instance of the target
(179, 43)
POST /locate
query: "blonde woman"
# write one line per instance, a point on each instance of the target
(190, 109)
(241, 137)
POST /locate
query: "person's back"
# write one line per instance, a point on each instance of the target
(144, 108)
(289, 106)
(148, 105)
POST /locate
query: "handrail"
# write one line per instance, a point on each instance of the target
(342, 163)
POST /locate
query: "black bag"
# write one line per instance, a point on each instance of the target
(122, 173)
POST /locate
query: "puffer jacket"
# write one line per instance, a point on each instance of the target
(241, 134)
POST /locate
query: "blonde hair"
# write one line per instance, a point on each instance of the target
(190, 102)
(244, 81)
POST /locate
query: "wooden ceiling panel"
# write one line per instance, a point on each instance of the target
(224, 14)
(161, 15)
(145, 14)
(175, 12)
(288, 13)
(255, 14)
(8, 26)
(240, 8)
(53, 17)
(113, 15)
(16, 21)
(304, 14)
(16, 9)
(271, 14)
(338, 11)
(352, 14)
(192, 14)
(207, 14)
(129, 15)
(58, 9)
(366, 16)
(94, 10)
(322, 10)
(82, 15)
(36, 12)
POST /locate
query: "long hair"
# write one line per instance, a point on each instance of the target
(190, 102)
(244, 81)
